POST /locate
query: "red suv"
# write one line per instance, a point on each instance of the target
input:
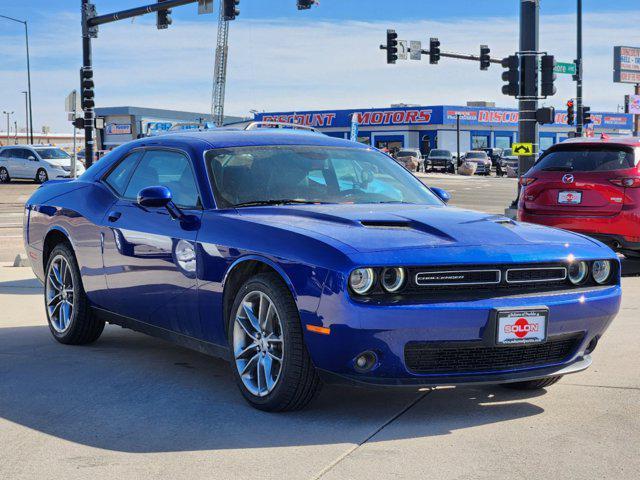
(588, 186)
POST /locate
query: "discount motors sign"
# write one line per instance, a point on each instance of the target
(626, 64)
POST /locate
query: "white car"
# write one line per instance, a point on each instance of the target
(39, 163)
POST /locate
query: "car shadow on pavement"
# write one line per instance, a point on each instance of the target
(133, 393)
(27, 286)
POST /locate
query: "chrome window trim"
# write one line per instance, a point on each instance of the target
(499, 278)
(526, 269)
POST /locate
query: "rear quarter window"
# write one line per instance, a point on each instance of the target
(588, 159)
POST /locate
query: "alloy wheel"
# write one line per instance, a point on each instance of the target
(258, 346)
(4, 175)
(42, 176)
(59, 294)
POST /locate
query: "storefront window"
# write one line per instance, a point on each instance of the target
(479, 141)
(503, 142)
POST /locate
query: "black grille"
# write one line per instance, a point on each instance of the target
(543, 274)
(432, 357)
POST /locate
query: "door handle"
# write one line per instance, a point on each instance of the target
(114, 216)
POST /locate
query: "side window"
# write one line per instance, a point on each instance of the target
(6, 153)
(169, 169)
(119, 176)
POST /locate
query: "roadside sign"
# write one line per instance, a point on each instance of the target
(565, 68)
(403, 50)
(522, 149)
(416, 50)
(626, 64)
(72, 102)
(205, 6)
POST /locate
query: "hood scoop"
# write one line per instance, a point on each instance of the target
(402, 224)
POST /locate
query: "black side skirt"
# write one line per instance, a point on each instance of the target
(186, 341)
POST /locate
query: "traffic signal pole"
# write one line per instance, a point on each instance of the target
(529, 39)
(580, 115)
(89, 113)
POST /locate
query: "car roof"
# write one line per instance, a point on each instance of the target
(627, 141)
(224, 138)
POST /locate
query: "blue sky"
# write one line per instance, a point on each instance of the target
(283, 59)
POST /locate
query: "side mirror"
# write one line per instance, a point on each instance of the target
(32, 158)
(442, 194)
(154, 197)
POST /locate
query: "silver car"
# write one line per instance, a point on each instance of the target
(35, 162)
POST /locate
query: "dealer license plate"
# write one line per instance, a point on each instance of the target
(570, 197)
(522, 326)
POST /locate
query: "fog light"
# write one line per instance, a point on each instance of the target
(592, 345)
(366, 361)
(601, 271)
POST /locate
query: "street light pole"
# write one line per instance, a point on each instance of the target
(26, 36)
(26, 115)
(8, 114)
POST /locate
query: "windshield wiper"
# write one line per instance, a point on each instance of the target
(558, 169)
(285, 201)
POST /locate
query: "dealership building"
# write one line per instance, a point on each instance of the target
(427, 127)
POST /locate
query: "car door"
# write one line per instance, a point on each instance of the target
(15, 161)
(149, 257)
(31, 163)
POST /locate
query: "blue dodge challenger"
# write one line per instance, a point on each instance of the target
(305, 259)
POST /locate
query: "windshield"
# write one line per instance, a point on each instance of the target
(439, 153)
(407, 153)
(588, 158)
(311, 174)
(52, 154)
(476, 155)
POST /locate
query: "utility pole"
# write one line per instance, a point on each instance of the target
(636, 129)
(458, 138)
(15, 131)
(88, 12)
(8, 114)
(529, 40)
(578, 76)
(26, 115)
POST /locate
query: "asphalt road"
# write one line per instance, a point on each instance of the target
(131, 407)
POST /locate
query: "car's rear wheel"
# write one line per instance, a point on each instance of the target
(41, 175)
(69, 314)
(4, 175)
(270, 361)
(533, 384)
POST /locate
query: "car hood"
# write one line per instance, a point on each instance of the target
(368, 228)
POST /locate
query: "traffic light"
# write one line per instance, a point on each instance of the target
(571, 113)
(485, 59)
(392, 46)
(547, 87)
(511, 76)
(86, 85)
(305, 4)
(163, 19)
(230, 9)
(586, 115)
(434, 51)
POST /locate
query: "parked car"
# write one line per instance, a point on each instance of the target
(35, 162)
(305, 259)
(494, 155)
(507, 160)
(482, 161)
(411, 159)
(591, 186)
(441, 160)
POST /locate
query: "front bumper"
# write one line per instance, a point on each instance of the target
(387, 329)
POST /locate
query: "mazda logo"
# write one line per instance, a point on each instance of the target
(568, 178)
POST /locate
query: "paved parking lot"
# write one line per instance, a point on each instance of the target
(131, 406)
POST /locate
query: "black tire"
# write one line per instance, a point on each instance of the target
(38, 175)
(4, 175)
(84, 327)
(299, 382)
(533, 384)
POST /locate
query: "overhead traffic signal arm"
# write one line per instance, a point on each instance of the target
(230, 9)
(306, 4)
(163, 19)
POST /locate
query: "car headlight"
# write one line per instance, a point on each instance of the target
(601, 271)
(393, 279)
(578, 272)
(361, 280)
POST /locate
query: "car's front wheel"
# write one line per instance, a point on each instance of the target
(69, 314)
(4, 175)
(533, 384)
(270, 361)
